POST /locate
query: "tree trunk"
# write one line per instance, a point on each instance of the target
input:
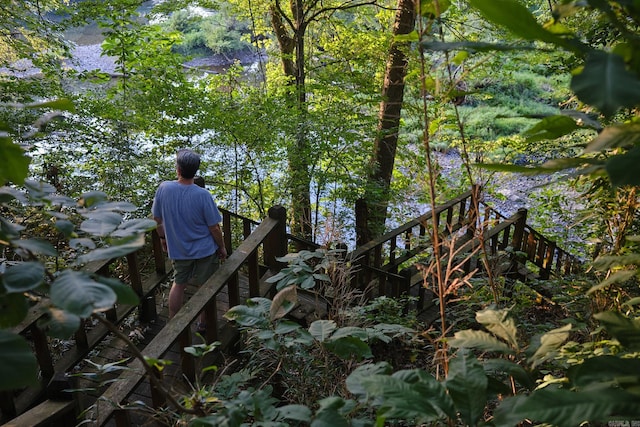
(293, 64)
(386, 141)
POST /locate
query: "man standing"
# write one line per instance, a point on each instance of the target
(189, 222)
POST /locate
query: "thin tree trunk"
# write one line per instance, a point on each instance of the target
(386, 141)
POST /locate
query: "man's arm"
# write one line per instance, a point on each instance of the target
(216, 233)
(160, 231)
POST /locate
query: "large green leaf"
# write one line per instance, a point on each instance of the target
(516, 18)
(35, 246)
(480, 340)
(283, 302)
(254, 313)
(622, 135)
(411, 394)
(322, 329)
(624, 329)
(15, 164)
(617, 277)
(23, 276)
(596, 371)
(549, 344)
(467, 386)
(551, 127)
(101, 223)
(353, 382)
(18, 365)
(564, 408)
(622, 169)
(13, 309)
(295, 412)
(510, 368)
(134, 226)
(77, 293)
(348, 347)
(499, 323)
(606, 84)
(124, 292)
(116, 251)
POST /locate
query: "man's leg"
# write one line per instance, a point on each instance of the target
(204, 268)
(176, 298)
(182, 269)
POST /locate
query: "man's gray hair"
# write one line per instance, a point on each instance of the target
(188, 163)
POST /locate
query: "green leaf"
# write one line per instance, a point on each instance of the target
(56, 104)
(499, 323)
(92, 198)
(564, 408)
(255, 313)
(409, 395)
(551, 127)
(622, 169)
(606, 84)
(510, 368)
(350, 346)
(467, 386)
(624, 135)
(622, 328)
(13, 309)
(65, 227)
(322, 329)
(112, 251)
(77, 293)
(23, 276)
(516, 18)
(329, 418)
(124, 293)
(480, 340)
(60, 323)
(299, 413)
(549, 344)
(101, 223)
(353, 382)
(605, 370)
(413, 36)
(15, 164)
(134, 226)
(18, 365)
(617, 277)
(35, 247)
(283, 302)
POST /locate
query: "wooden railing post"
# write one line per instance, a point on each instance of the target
(158, 253)
(518, 232)
(275, 244)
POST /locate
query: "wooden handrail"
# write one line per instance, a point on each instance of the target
(180, 324)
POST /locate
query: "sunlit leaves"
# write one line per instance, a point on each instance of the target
(18, 365)
(551, 128)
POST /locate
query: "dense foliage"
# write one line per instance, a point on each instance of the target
(531, 87)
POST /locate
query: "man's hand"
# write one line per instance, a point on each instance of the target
(222, 253)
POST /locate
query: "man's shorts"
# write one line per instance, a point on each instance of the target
(194, 271)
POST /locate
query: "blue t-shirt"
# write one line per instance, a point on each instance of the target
(187, 211)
